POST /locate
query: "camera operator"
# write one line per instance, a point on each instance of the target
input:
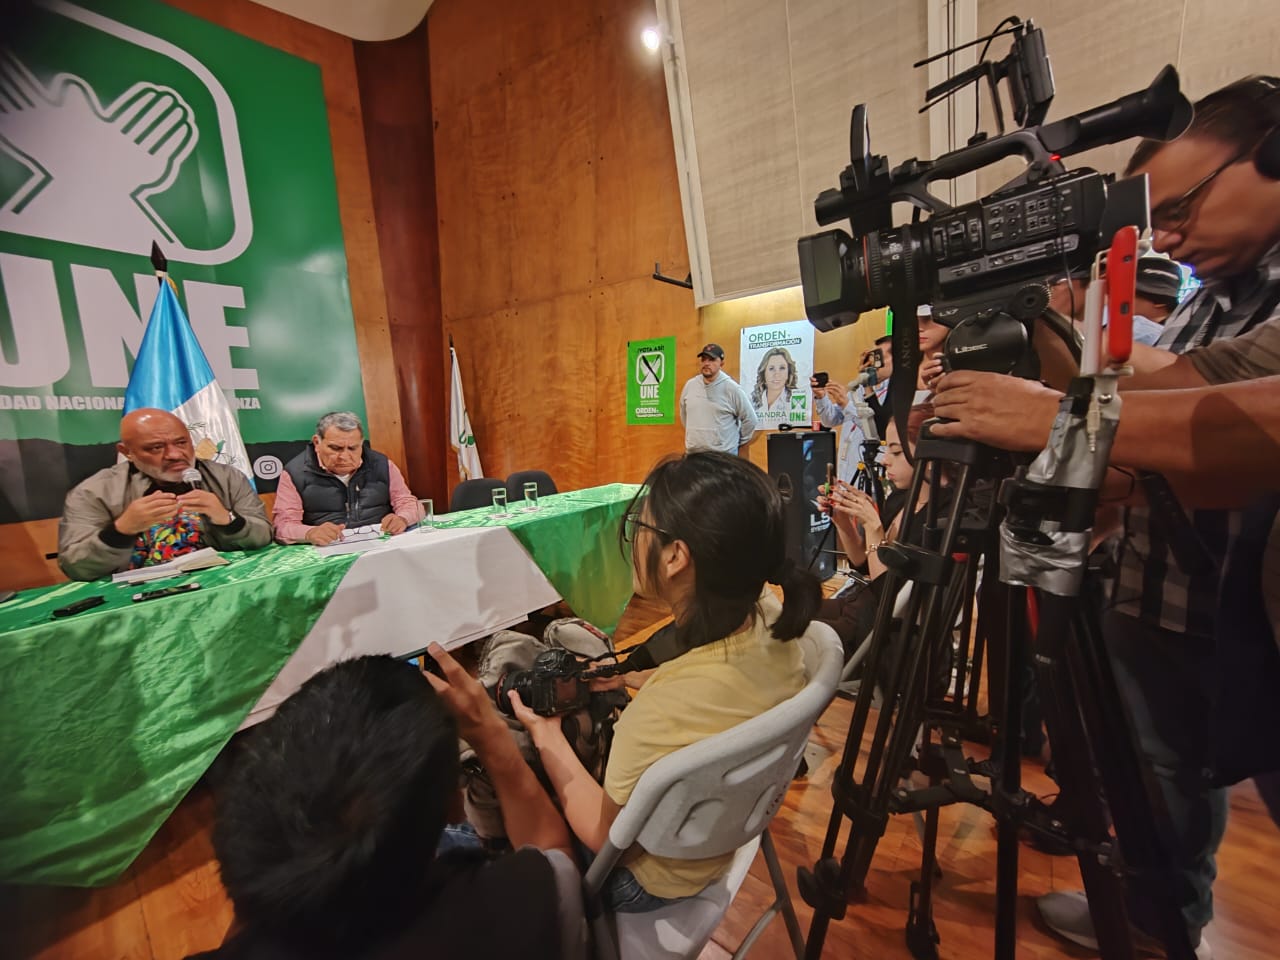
(1216, 205)
(1218, 444)
(835, 407)
(706, 535)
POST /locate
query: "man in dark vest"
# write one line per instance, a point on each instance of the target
(339, 482)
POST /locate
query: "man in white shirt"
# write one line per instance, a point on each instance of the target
(836, 407)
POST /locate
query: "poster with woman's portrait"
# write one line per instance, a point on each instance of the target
(777, 361)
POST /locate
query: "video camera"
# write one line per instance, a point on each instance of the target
(982, 266)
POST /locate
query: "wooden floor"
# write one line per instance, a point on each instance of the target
(170, 902)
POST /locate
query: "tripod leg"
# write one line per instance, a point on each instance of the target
(866, 803)
(1080, 797)
(1010, 779)
(922, 934)
(1138, 811)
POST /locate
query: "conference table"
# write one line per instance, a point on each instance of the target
(109, 717)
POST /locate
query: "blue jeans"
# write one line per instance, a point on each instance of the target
(1165, 680)
(621, 892)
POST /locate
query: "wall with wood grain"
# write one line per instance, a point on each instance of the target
(23, 546)
(556, 187)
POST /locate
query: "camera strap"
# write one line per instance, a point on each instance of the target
(906, 367)
(654, 652)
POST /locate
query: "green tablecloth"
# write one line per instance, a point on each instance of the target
(108, 717)
(573, 538)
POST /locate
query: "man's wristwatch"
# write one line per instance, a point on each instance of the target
(231, 518)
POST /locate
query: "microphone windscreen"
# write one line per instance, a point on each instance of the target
(192, 476)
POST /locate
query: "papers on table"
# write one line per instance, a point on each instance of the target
(187, 563)
(355, 540)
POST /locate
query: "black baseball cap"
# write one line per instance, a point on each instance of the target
(1159, 278)
(712, 350)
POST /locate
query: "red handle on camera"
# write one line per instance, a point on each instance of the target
(1122, 278)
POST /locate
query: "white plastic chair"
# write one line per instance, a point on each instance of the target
(707, 799)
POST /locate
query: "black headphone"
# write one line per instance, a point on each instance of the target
(1265, 91)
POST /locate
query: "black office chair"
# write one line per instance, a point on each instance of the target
(516, 482)
(470, 494)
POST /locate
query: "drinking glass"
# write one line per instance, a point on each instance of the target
(531, 496)
(428, 511)
(500, 502)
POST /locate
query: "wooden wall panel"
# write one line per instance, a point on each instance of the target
(635, 165)
(22, 546)
(395, 95)
(473, 199)
(551, 137)
(557, 192)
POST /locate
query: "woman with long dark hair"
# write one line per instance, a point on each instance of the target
(707, 536)
(861, 527)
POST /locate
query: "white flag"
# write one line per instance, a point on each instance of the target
(460, 435)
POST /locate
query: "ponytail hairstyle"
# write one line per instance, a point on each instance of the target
(729, 514)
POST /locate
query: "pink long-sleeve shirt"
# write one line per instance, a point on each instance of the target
(286, 518)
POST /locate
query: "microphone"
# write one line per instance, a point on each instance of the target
(192, 476)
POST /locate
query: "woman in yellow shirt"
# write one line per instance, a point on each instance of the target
(706, 535)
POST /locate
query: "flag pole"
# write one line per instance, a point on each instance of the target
(161, 265)
(159, 261)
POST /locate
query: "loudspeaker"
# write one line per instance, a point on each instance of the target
(798, 465)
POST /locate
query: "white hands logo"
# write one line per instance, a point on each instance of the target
(93, 167)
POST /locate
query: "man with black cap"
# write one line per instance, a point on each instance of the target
(715, 410)
(1159, 280)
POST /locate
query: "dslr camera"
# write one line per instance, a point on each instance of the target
(983, 266)
(554, 685)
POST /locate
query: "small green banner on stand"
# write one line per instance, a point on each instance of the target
(651, 385)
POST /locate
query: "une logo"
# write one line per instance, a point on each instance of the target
(650, 368)
(96, 167)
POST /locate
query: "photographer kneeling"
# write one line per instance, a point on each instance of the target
(331, 836)
(706, 533)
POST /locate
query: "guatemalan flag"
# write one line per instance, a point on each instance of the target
(171, 373)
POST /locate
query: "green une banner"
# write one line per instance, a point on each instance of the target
(124, 122)
(651, 388)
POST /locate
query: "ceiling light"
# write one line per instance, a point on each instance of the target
(651, 38)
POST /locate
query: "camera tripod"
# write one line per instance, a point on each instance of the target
(1097, 760)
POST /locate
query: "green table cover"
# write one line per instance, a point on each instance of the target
(106, 722)
(573, 538)
(108, 717)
